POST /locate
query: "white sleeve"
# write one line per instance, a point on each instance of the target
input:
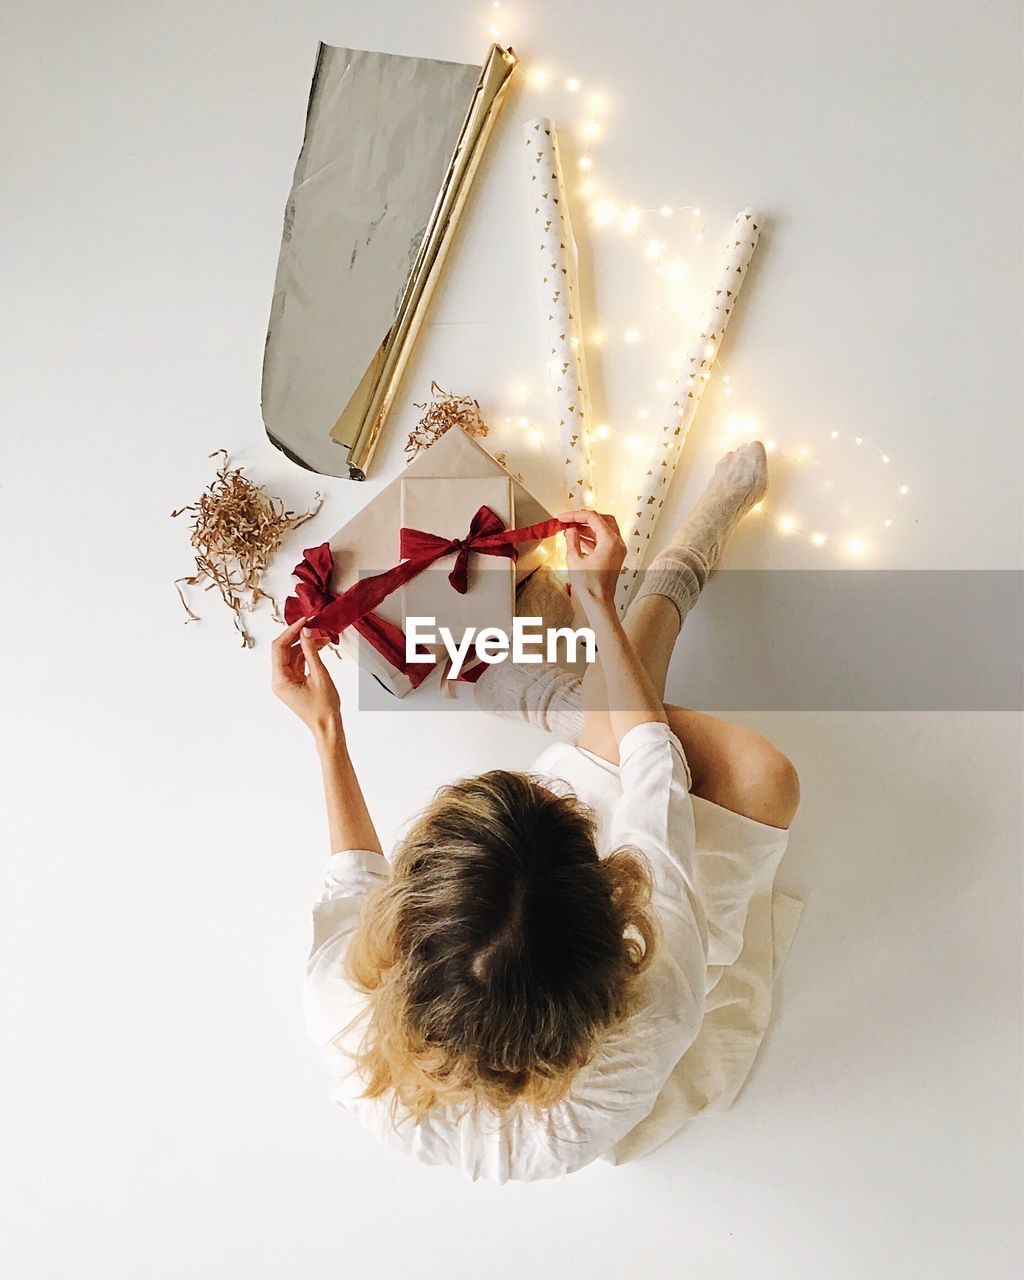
(655, 815)
(330, 1002)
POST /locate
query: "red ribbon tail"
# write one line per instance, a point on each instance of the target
(459, 576)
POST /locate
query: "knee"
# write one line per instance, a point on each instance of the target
(767, 783)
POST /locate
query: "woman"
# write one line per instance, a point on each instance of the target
(511, 994)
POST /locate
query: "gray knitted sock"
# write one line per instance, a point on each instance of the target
(680, 571)
(545, 695)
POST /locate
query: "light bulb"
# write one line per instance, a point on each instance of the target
(630, 220)
(818, 539)
(642, 414)
(653, 249)
(666, 211)
(696, 213)
(904, 490)
(709, 350)
(786, 524)
(835, 435)
(602, 431)
(523, 422)
(663, 384)
(585, 162)
(858, 439)
(633, 443)
(590, 495)
(886, 458)
(856, 546)
(803, 453)
(699, 235)
(538, 78)
(534, 437)
(520, 392)
(598, 338)
(597, 102)
(591, 129)
(758, 507)
(573, 85)
(631, 335)
(769, 446)
(728, 391)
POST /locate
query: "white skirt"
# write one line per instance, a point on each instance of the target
(750, 927)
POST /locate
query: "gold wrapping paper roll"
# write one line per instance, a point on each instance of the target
(360, 422)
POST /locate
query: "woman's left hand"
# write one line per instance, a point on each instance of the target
(594, 553)
(302, 682)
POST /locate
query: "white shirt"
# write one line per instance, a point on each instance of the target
(645, 804)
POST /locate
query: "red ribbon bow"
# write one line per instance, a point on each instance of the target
(329, 614)
(314, 590)
(487, 536)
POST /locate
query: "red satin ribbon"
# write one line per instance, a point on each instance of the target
(314, 594)
(330, 614)
(487, 535)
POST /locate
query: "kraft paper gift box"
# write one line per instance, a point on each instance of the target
(369, 544)
(447, 508)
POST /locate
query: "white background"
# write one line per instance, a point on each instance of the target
(162, 824)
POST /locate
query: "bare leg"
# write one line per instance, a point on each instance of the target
(731, 766)
(737, 768)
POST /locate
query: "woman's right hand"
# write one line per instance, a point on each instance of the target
(303, 683)
(595, 553)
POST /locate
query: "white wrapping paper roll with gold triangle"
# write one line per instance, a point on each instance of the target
(643, 513)
(557, 259)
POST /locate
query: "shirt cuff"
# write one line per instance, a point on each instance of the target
(354, 871)
(652, 734)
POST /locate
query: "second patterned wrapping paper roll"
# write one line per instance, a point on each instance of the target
(560, 294)
(678, 418)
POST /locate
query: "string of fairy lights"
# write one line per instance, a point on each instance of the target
(647, 227)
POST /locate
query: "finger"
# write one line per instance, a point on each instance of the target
(589, 519)
(579, 515)
(289, 667)
(572, 538)
(314, 663)
(281, 651)
(289, 635)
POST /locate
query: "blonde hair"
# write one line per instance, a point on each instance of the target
(500, 951)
